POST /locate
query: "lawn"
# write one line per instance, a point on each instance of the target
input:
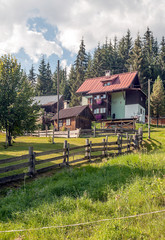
(116, 187)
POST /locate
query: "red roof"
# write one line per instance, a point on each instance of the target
(117, 82)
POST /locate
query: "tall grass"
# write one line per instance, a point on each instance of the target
(121, 186)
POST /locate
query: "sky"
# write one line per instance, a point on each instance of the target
(54, 28)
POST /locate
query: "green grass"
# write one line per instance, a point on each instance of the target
(121, 186)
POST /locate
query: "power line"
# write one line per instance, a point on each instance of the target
(85, 223)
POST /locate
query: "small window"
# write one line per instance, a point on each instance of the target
(141, 99)
(96, 111)
(141, 111)
(67, 121)
(107, 84)
(102, 110)
(60, 123)
(103, 96)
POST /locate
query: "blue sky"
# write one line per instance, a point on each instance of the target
(53, 28)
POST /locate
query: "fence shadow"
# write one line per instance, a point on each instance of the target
(94, 182)
(151, 145)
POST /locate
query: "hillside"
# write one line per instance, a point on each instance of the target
(115, 188)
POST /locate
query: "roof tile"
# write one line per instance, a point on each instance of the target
(118, 82)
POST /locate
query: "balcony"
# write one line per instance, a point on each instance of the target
(99, 101)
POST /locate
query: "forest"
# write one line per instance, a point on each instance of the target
(144, 54)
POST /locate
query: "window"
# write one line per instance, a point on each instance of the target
(67, 121)
(107, 84)
(96, 111)
(102, 110)
(60, 123)
(103, 96)
(140, 110)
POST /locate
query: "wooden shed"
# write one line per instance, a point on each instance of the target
(74, 118)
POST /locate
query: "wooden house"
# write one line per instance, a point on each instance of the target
(74, 117)
(116, 96)
(49, 103)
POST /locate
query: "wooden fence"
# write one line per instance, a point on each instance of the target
(68, 156)
(95, 132)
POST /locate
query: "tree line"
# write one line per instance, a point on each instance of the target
(144, 55)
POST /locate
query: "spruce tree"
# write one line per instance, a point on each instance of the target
(48, 80)
(162, 59)
(157, 98)
(134, 62)
(41, 88)
(73, 87)
(80, 68)
(32, 76)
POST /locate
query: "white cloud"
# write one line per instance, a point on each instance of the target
(33, 42)
(92, 19)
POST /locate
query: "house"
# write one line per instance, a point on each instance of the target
(74, 117)
(49, 104)
(116, 96)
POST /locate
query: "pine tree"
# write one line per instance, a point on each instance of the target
(89, 72)
(157, 98)
(150, 58)
(32, 76)
(48, 80)
(41, 88)
(135, 58)
(80, 68)
(97, 63)
(73, 87)
(162, 59)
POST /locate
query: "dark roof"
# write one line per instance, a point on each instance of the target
(71, 112)
(117, 82)
(46, 100)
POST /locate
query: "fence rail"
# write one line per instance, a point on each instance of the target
(69, 155)
(95, 132)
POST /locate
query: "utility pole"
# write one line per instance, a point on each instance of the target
(149, 108)
(58, 66)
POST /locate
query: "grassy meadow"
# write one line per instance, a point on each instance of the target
(112, 188)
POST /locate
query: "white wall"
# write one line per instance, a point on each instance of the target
(84, 101)
(135, 110)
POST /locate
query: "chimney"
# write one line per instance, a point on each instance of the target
(107, 73)
(66, 104)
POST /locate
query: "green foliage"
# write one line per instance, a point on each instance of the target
(17, 111)
(44, 79)
(32, 77)
(157, 98)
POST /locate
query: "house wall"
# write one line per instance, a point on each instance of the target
(135, 110)
(118, 105)
(72, 125)
(84, 100)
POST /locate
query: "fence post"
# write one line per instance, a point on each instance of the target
(115, 131)
(31, 161)
(90, 148)
(94, 131)
(68, 146)
(135, 139)
(140, 133)
(46, 130)
(53, 136)
(68, 133)
(38, 133)
(86, 149)
(106, 145)
(103, 152)
(65, 150)
(119, 143)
